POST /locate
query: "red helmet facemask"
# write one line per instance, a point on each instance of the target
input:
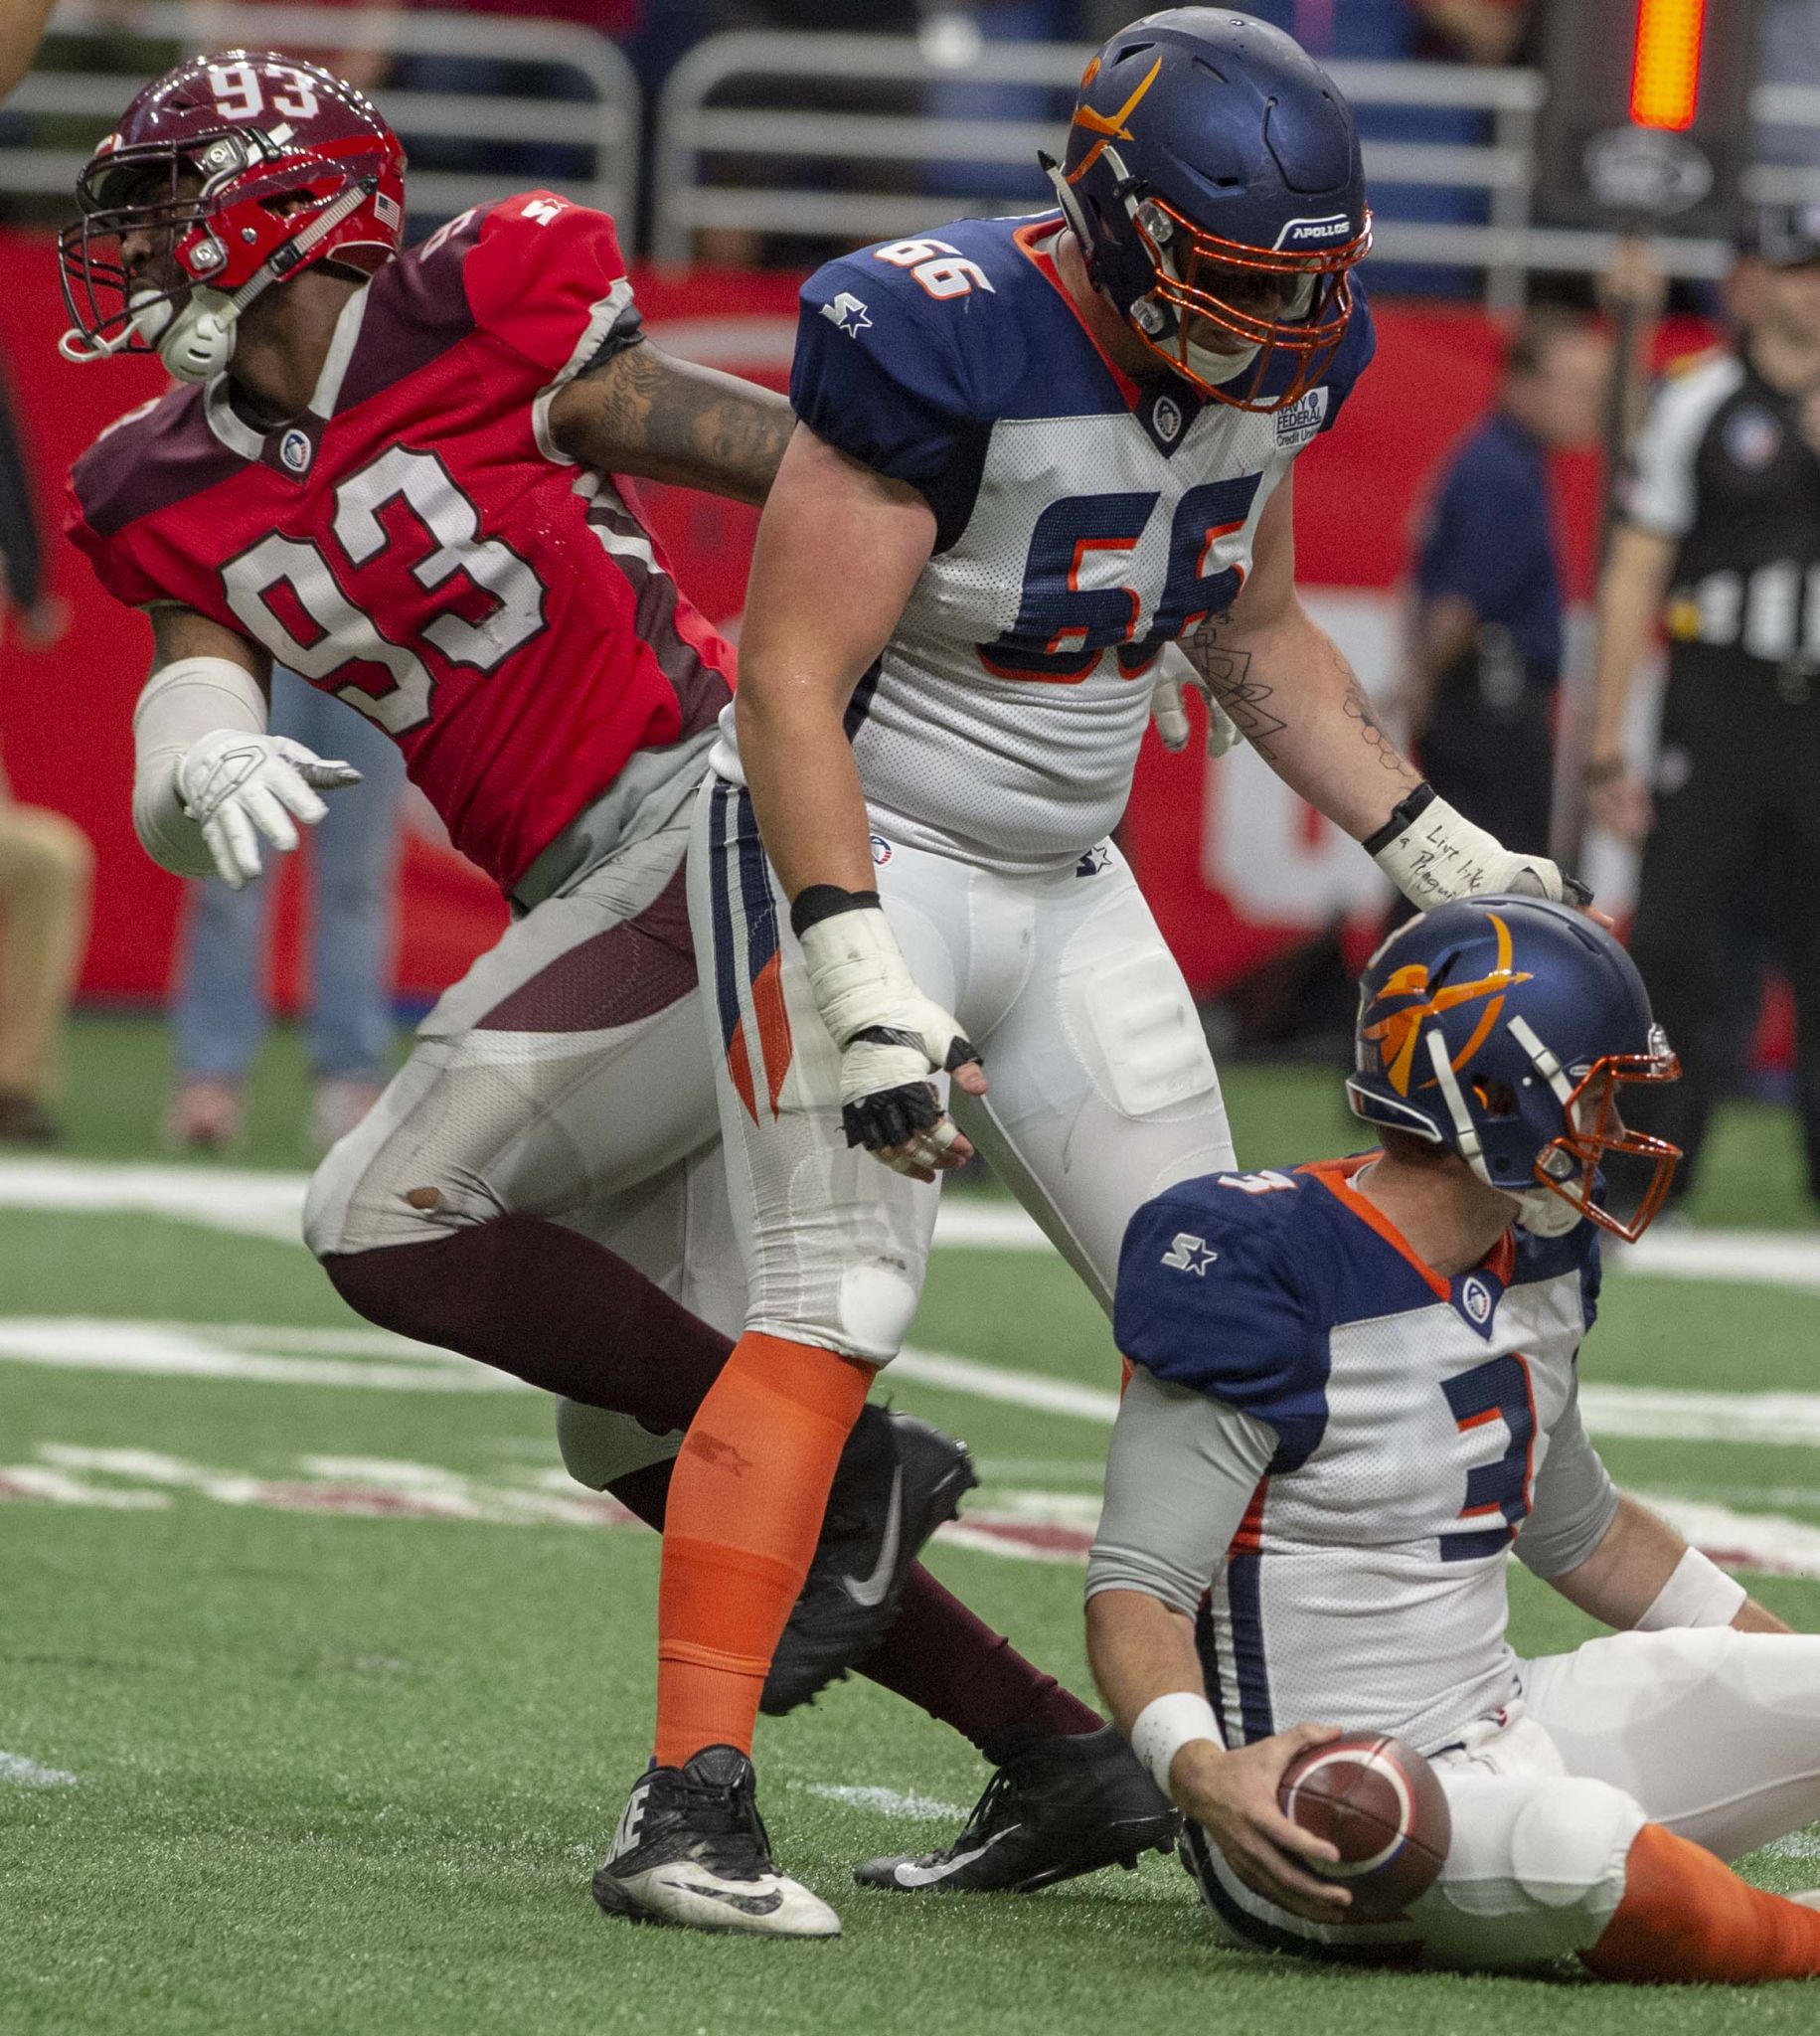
(1272, 302)
(1571, 1165)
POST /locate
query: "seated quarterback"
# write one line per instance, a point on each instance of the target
(1353, 1395)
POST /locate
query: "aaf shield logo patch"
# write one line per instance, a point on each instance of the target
(296, 451)
(1475, 1299)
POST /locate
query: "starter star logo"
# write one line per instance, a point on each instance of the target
(848, 313)
(1188, 1254)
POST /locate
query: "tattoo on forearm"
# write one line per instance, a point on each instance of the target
(1228, 679)
(1357, 707)
(708, 432)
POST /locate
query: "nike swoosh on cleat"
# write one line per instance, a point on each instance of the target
(869, 1591)
(748, 1905)
(910, 1876)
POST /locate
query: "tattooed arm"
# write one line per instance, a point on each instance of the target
(1284, 683)
(1286, 687)
(649, 414)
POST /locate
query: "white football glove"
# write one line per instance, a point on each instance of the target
(891, 1037)
(237, 787)
(1176, 677)
(1438, 854)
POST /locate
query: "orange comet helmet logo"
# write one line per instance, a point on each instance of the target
(1108, 127)
(1396, 1034)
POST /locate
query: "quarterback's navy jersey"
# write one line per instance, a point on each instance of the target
(1083, 522)
(1414, 1417)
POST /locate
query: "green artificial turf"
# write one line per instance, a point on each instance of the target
(340, 1773)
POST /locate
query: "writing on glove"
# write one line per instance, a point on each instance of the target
(1432, 853)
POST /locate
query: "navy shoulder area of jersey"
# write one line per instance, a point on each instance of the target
(1220, 1290)
(907, 349)
(160, 453)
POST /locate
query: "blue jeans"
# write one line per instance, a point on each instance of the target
(219, 1014)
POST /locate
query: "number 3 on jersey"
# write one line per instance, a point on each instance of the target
(1064, 627)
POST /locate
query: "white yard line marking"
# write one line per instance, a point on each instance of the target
(374, 1362)
(270, 1205)
(1031, 1526)
(24, 1773)
(1661, 1415)
(888, 1803)
(979, 1381)
(198, 1350)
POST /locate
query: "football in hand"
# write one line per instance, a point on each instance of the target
(1380, 1804)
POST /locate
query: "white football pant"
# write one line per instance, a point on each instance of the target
(1713, 1733)
(1102, 1090)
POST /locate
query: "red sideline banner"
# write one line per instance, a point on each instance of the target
(1235, 867)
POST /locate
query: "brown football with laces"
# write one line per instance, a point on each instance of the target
(1382, 1806)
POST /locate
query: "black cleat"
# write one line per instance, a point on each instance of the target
(898, 1481)
(1058, 1807)
(692, 1849)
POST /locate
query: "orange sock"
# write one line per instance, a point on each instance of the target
(744, 1513)
(1687, 1916)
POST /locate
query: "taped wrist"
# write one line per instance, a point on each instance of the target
(182, 702)
(1697, 1593)
(857, 971)
(1166, 1725)
(816, 902)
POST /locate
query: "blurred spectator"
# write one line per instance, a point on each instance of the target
(45, 860)
(22, 28)
(1484, 657)
(220, 1015)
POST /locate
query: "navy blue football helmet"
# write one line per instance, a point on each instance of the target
(1504, 1028)
(1213, 179)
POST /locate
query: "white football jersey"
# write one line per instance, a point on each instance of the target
(1082, 523)
(1414, 1417)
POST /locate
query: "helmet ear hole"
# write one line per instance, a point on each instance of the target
(1496, 1098)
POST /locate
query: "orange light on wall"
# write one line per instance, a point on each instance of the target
(1665, 76)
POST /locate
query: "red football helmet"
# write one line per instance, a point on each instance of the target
(203, 155)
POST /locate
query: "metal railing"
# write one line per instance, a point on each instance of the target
(810, 172)
(602, 124)
(866, 149)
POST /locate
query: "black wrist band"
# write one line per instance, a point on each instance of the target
(1402, 815)
(817, 902)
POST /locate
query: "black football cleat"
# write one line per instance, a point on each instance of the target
(692, 1849)
(898, 1479)
(1058, 1807)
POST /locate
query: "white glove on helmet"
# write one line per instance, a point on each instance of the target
(237, 787)
(1177, 675)
(1432, 853)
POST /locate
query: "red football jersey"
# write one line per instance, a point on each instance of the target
(416, 544)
